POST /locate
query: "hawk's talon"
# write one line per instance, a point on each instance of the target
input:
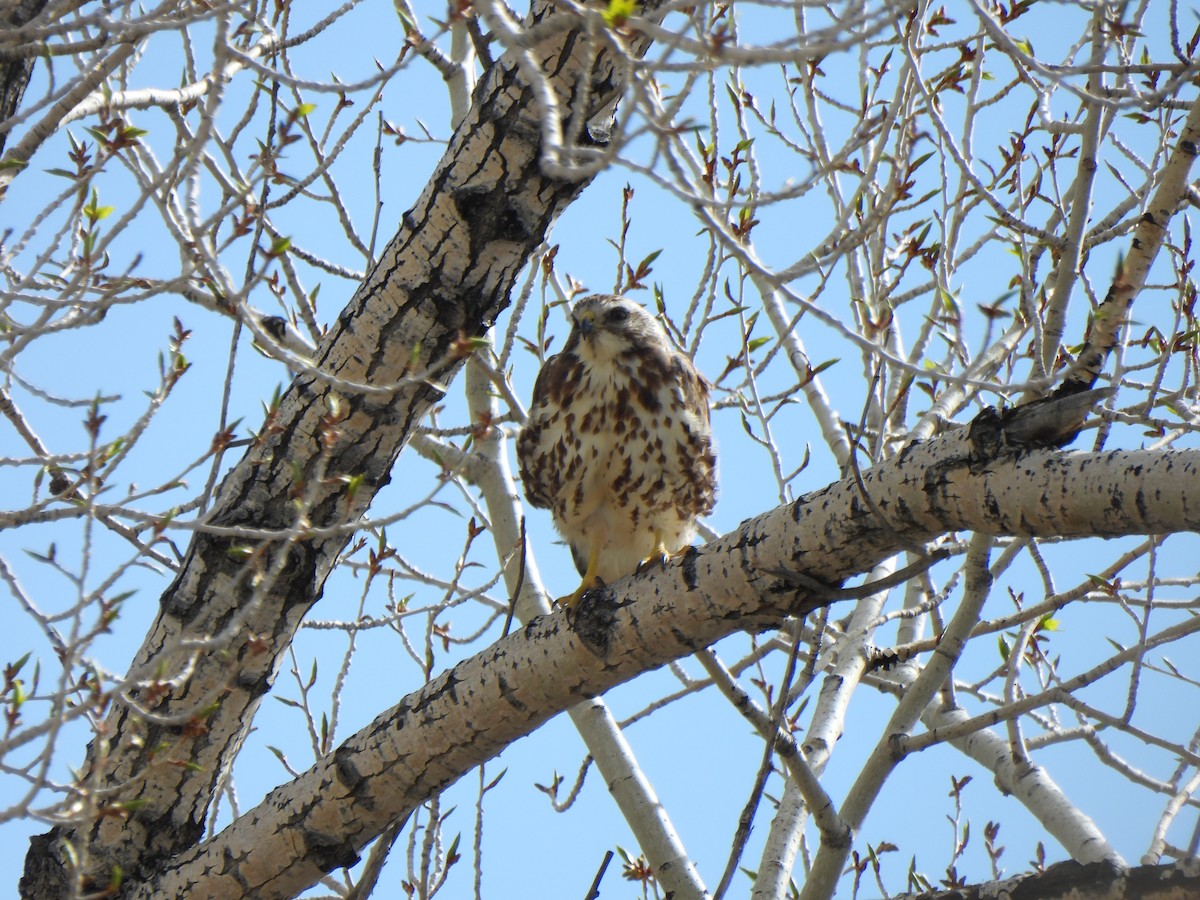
(571, 601)
(659, 558)
(659, 555)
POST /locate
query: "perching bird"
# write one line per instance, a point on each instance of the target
(618, 443)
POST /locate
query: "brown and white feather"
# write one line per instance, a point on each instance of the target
(618, 443)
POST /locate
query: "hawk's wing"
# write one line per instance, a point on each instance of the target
(694, 391)
(694, 388)
(534, 445)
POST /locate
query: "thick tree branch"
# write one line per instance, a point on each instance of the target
(468, 714)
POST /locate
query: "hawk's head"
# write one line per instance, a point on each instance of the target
(606, 327)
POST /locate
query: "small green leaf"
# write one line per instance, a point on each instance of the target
(406, 20)
(452, 855)
(353, 484)
(644, 265)
(919, 161)
(94, 211)
(821, 367)
(618, 12)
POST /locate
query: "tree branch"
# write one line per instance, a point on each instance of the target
(471, 712)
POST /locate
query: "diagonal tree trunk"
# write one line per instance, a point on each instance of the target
(235, 606)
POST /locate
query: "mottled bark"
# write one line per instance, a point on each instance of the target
(464, 717)
(446, 274)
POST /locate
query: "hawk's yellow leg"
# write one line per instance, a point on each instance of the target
(590, 579)
(660, 555)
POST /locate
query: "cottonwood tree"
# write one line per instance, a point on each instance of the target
(919, 251)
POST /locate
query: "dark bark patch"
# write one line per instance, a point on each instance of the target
(489, 217)
(688, 569)
(510, 696)
(328, 852)
(594, 620)
(347, 773)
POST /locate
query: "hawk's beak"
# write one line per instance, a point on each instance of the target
(586, 323)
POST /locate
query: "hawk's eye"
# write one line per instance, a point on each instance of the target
(617, 315)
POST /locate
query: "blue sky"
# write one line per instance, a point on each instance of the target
(698, 753)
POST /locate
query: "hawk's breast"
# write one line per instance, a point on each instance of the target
(621, 454)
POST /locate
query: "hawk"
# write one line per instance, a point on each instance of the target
(618, 444)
